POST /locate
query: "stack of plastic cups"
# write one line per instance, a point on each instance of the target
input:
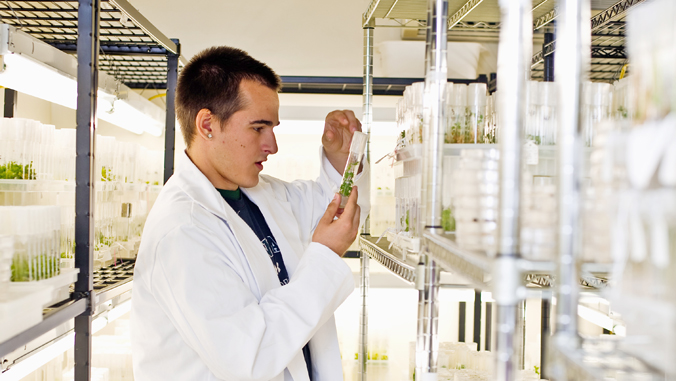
(547, 113)
(595, 109)
(476, 106)
(45, 152)
(64, 167)
(538, 225)
(457, 115)
(475, 199)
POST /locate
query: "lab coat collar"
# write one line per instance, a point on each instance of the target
(195, 184)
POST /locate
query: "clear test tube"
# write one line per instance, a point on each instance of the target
(448, 133)
(447, 219)
(476, 105)
(548, 113)
(356, 154)
(418, 93)
(489, 133)
(458, 114)
(597, 108)
(532, 122)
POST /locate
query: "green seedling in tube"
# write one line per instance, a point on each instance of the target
(357, 148)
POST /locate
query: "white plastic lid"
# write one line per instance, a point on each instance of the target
(358, 144)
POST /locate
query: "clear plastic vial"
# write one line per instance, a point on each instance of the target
(357, 148)
(476, 107)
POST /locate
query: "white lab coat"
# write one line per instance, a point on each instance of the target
(207, 303)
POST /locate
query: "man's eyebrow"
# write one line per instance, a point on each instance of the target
(265, 122)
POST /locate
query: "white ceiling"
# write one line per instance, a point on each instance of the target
(294, 37)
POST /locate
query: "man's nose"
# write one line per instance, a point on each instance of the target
(270, 146)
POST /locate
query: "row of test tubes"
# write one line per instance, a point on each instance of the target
(469, 114)
(35, 242)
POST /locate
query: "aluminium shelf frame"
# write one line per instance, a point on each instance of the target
(507, 273)
(109, 36)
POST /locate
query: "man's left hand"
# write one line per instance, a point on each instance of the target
(339, 127)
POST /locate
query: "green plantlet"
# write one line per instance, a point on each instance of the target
(623, 111)
(407, 222)
(346, 186)
(537, 369)
(535, 139)
(38, 268)
(447, 220)
(14, 171)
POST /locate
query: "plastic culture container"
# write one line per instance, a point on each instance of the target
(491, 129)
(357, 148)
(476, 112)
(457, 115)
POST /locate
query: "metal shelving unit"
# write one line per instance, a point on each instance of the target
(505, 273)
(112, 37)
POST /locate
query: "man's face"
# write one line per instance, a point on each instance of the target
(239, 150)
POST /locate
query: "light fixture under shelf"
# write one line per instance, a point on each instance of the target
(33, 67)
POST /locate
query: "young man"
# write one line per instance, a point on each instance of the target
(239, 274)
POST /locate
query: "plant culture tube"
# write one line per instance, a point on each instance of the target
(357, 148)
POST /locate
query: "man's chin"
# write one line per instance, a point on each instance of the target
(250, 184)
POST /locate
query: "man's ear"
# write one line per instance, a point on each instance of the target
(205, 121)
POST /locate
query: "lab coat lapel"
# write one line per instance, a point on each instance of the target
(259, 260)
(286, 234)
(195, 184)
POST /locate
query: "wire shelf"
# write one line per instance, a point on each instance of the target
(403, 268)
(127, 40)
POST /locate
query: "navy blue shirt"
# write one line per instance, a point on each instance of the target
(253, 217)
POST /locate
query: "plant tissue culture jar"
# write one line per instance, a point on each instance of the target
(357, 148)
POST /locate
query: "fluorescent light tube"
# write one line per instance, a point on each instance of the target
(55, 82)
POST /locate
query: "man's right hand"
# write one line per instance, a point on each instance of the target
(339, 233)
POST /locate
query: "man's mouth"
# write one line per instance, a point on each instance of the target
(259, 165)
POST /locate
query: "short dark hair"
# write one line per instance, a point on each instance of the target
(211, 81)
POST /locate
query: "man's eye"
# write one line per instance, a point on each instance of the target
(258, 129)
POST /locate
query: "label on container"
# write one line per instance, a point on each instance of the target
(531, 149)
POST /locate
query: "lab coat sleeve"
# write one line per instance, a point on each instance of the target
(309, 199)
(218, 316)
